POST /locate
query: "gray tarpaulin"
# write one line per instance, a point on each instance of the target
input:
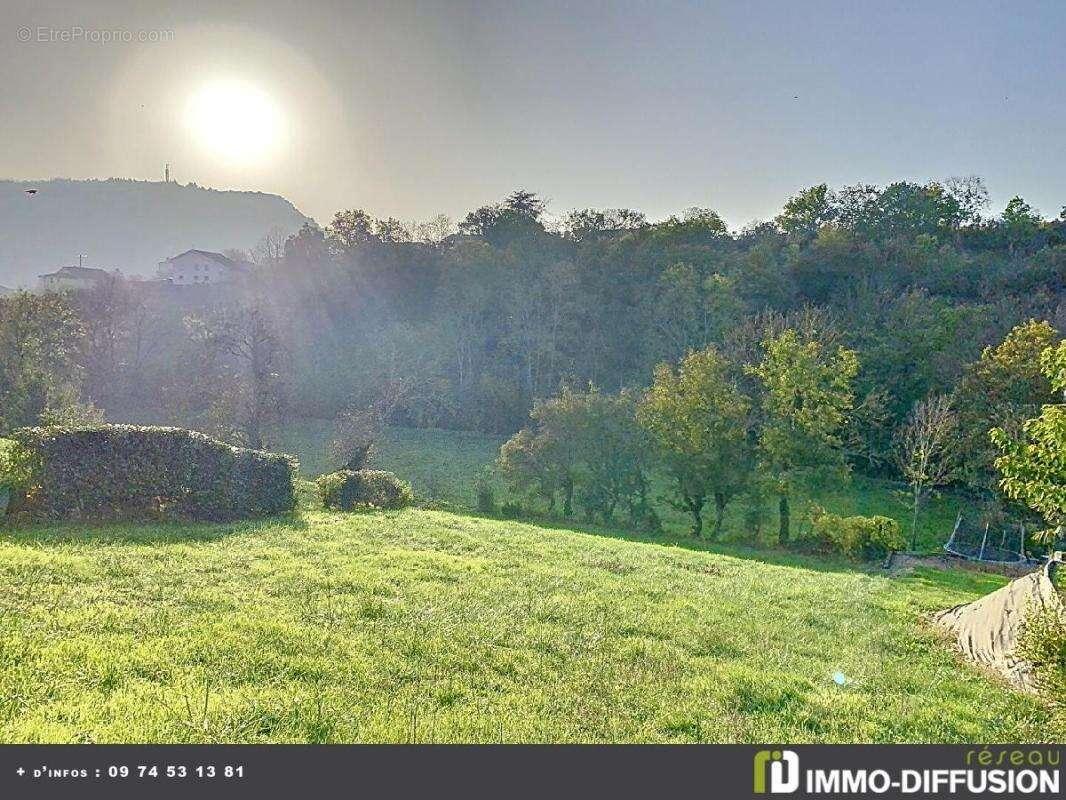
(987, 630)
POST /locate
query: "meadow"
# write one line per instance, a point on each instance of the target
(435, 625)
(431, 626)
(442, 467)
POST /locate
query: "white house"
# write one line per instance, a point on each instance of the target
(78, 278)
(199, 267)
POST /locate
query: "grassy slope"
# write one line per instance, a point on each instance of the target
(442, 466)
(430, 626)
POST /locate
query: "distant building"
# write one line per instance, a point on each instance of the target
(199, 267)
(73, 278)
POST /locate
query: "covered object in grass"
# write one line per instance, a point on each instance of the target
(988, 629)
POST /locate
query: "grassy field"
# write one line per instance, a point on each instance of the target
(429, 626)
(442, 626)
(442, 467)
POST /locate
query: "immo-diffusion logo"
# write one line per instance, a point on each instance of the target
(783, 768)
(1017, 772)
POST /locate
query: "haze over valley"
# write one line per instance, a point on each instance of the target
(127, 225)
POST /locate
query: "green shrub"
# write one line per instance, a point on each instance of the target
(126, 471)
(511, 510)
(883, 536)
(8, 477)
(346, 489)
(484, 494)
(1043, 644)
(866, 537)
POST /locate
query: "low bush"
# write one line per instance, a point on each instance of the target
(346, 489)
(866, 537)
(1043, 644)
(127, 471)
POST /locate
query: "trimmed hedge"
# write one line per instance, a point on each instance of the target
(129, 471)
(347, 489)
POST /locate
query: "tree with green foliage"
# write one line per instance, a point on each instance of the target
(677, 313)
(545, 460)
(805, 213)
(698, 419)
(1019, 222)
(589, 446)
(908, 210)
(517, 218)
(615, 456)
(1002, 389)
(348, 230)
(807, 394)
(589, 223)
(868, 431)
(913, 344)
(39, 339)
(686, 311)
(488, 320)
(833, 262)
(900, 211)
(1033, 465)
(526, 465)
(539, 304)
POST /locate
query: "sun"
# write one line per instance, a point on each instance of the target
(236, 121)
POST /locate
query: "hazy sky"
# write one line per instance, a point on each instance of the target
(413, 108)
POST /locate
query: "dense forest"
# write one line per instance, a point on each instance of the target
(473, 325)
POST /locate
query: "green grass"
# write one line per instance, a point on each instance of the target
(442, 466)
(428, 626)
(435, 626)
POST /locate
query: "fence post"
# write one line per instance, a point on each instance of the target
(951, 539)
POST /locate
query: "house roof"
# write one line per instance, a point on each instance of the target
(88, 273)
(229, 263)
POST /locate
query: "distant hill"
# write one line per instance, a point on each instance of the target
(125, 224)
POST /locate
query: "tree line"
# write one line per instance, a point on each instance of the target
(476, 324)
(776, 429)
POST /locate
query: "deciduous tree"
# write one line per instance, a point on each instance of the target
(1033, 465)
(806, 396)
(699, 422)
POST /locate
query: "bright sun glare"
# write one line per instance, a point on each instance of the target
(236, 121)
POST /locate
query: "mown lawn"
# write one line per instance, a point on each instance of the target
(428, 626)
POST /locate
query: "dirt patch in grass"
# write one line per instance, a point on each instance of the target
(900, 564)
